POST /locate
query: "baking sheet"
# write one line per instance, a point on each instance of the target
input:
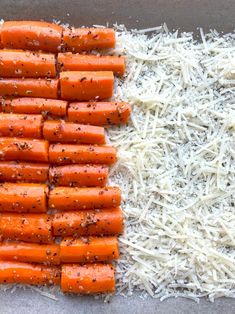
(186, 15)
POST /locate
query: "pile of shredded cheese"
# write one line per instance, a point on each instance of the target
(176, 164)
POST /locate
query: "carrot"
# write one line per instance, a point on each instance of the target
(23, 149)
(13, 171)
(68, 132)
(88, 278)
(78, 175)
(44, 106)
(99, 113)
(26, 227)
(88, 222)
(32, 35)
(30, 87)
(19, 63)
(67, 154)
(82, 85)
(67, 198)
(1, 46)
(21, 125)
(48, 254)
(77, 62)
(23, 197)
(89, 249)
(83, 39)
(26, 273)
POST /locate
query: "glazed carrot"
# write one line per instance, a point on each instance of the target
(48, 254)
(77, 62)
(99, 113)
(19, 63)
(68, 132)
(31, 35)
(26, 273)
(21, 125)
(26, 227)
(67, 154)
(29, 87)
(82, 85)
(88, 222)
(83, 39)
(23, 149)
(67, 198)
(89, 249)
(44, 106)
(23, 197)
(78, 175)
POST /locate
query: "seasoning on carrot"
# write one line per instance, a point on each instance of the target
(88, 222)
(77, 175)
(99, 113)
(68, 198)
(36, 228)
(70, 153)
(82, 85)
(31, 35)
(68, 132)
(19, 63)
(89, 249)
(88, 278)
(23, 149)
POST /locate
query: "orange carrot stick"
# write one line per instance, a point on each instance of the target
(77, 62)
(67, 154)
(89, 249)
(23, 197)
(29, 228)
(21, 125)
(68, 132)
(19, 63)
(13, 171)
(99, 113)
(29, 87)
(67, 198)
(88, 279)
(83, 39)
(81, 85)
(78, 175)
(26, 273)
(88, 222)
(48, 254)
(23, 149)
(31, 35)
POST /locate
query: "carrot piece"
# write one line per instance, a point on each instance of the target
(44, 106)
(99, 113)
(91, 249)
(1, 45)
(68, 132)
(26, 273)
(67, 198)
(82, 85)
(23, 149)
(32, 35)
(29, 228)
(77, 62)
(21, 125)
(78, 175)
(23, 197)
(30, 87)
(88, 278)
(83, 39)
(19, 63)
(67, 154)
(13, 171)
(48, 254)
(88, 222)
